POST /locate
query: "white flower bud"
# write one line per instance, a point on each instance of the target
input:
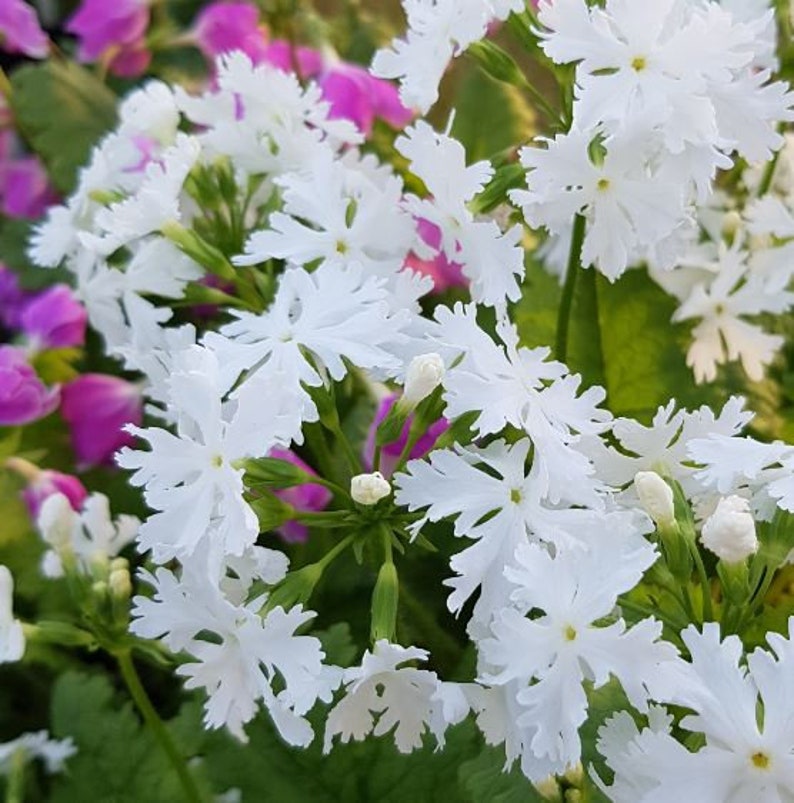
(12, 639)
(423, 376)
(656, 497)
(729, 532)
(57, 521)
(368, 489)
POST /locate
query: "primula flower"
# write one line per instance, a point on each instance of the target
(228, 25)
(97, 408)
(23, 396)
(439, 268)
(53, 752)
(25, 188)
(309, 497)
(13, 299)
(391, 452)
(115, 32)
(43, 483)
(53, 319)
(20, 31)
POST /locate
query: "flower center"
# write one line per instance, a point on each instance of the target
(216, 461)
(570, 633)
(760, 760)
(639, 63)
(515, 496)
(603, 184)
(341, 247)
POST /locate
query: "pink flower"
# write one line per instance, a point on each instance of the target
(115, 31)
(26, 192)
(390, 453)
(23, 396)
(357, 96)
(20, 31)
(225, 26)
(97, 407)
(307, 498)
(54, 319)
(13, 299)
(279, 54)
(445, 274)
(41, 484)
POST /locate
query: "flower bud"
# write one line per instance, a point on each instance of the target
(423, 376)
(120, 584)
(656, 497)
(369, 489)
(12, 639)
(730, 530)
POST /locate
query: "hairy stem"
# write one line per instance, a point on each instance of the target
(566, 302)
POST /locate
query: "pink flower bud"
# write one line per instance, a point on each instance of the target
(44, 483)
(54, 319)
(23, 396)
(390, 453)
(20, 31)
(114, 30)
(97, 408)
(310, 497)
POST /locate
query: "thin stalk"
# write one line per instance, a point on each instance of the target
(566, 302)
(689, 605)
(156, 725)
(353, 460)
(6, 90)
(335, 552)
(708, 611)
(15, 789)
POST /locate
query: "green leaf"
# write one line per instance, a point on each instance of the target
(62, 110)
(483, 780)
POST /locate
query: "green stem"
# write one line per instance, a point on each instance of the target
(15, 791)
(708, 611)
(334, 553)
(645, 610)
(769, 172)
(689, 605)
(353, 460)
(159, 731)
(566, 302)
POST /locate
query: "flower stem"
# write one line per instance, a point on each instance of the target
(708, 612)
(566, 302)
(15, 789)
(159, 731)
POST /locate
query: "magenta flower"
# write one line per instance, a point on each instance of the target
(114, 31)
(41, 484)
(357, 96)
(96, 408)
(54, 319)
(26, 193)
(390, 454)
(20, 31)
(307, 498)
(13, 299)
(445, 274)
(23, 396)
(225, 26)
(279, 54)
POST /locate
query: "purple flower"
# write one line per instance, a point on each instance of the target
(97, 407)
(23, 396)
(225, 26)
(20, 31)
(306, 498)
(390, 453)
(12, 299)
(26, 192)
(445, 274)
(357, 96)
(113, 30)
(54, 319)
(42, 484)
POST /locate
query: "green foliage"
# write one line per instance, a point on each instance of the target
(62, 110)
(484, 781)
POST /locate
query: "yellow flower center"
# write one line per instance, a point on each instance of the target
(570, 633)
(639, 63)
(761, 760)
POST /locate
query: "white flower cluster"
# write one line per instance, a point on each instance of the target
(665, 96)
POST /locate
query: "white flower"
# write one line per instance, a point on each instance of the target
(551, 654)
(191, 477)
(742, 716)
(380, 695)
(53, 752)
(656, 497)
(491, 260)
(730, 530)
(423, 376)
(12, 639)
(521, 387)
(369, 489)
(88, 536)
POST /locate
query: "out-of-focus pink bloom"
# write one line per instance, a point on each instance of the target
(232, 25)
(13, 299)
(97, 407)
(390, 453)
(445, 274)
(43, 483)
(54, 319)
(20, 31)
(25, 189)
(279, 54)
(23, 396)
(307, 498)
(357, 96)
(114, 31)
